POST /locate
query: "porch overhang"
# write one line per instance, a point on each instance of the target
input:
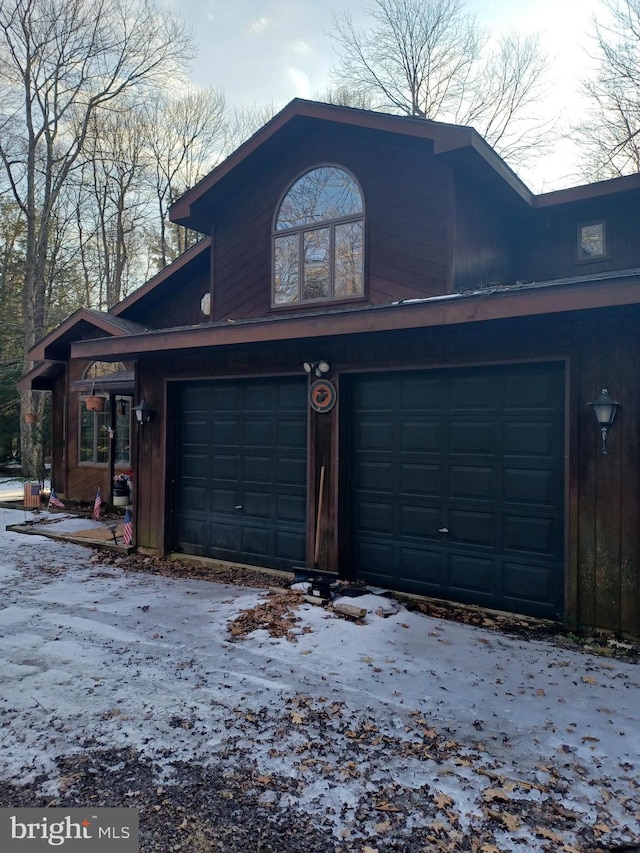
(42, 377)
(498, 303)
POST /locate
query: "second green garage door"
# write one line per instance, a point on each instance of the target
(456, 484)
(241, 461)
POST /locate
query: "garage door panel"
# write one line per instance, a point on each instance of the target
(225, 431)
(248, 502)
(291, 433)
(534, 438)
(291, 508)
(291, 470)
(195, 464)
(420, 392)
(472, 574)
(259, 432)
(195, 432)
(376, 517)
(224, 466)
(472, 528)
(530, 589)
(421, 521)
(472, 482)
(258, 469)
(421, 436)
(523, 486)
(290, 546)
(422, 566)
(478, 451)
(374, 395)
(374, 435)
(420, 479)
(469, 393)
(533, 535)
(376, 476)
(472, 437)
(223, 499)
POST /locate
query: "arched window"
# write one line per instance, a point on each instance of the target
(318, 239)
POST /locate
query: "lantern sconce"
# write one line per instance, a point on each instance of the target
(319, 368)
(144, 413)
(604, 408)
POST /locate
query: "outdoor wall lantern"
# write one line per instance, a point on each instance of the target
(144, 413)
(319, 368)
(605, 408)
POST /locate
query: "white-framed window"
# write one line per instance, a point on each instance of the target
(318, 239)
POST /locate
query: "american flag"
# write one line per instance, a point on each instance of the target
(127, 529)
(31, 496)
(97, 505)
(54, 500)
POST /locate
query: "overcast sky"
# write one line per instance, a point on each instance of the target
(263, 51)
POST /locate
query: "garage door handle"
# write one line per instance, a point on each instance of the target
(443, 530)
(239, 506)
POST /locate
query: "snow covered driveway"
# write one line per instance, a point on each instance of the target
(403, 733)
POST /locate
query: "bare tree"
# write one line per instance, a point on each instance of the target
(185, 138)
(610, 135)
(60, 61)
(430, 58)
(112, 203)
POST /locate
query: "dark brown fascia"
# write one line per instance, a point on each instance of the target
(171, 269)
(440, 311)
(446, 138)
(41, 377)
(82, 315)
(584, 192)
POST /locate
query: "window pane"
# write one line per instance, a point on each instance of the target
(94, 434)
(103, 419)
(316, 264)
(87, 432)
(592, 241)
(348, 260)
(122, 443)
(286, 275)
(322, 194)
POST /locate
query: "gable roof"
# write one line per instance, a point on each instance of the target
(166, 278)
(55, 346)
(458, 143)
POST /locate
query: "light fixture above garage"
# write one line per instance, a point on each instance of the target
(319, 368)
(605, 408)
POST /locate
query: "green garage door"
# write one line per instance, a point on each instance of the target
(456, 484)
(241, 470)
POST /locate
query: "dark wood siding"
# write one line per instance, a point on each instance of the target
(548, 238)
(483, 239)
(409, 215)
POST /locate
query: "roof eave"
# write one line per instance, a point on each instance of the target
(459, 309)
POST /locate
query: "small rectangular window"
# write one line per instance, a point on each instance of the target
(592, 243)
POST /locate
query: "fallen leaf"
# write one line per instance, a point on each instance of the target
(588, 680)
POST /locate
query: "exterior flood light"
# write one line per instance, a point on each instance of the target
(319, 368)
(604, 408)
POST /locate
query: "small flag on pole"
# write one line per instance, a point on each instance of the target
(55, 501)
(127, 529)
(97, 505)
